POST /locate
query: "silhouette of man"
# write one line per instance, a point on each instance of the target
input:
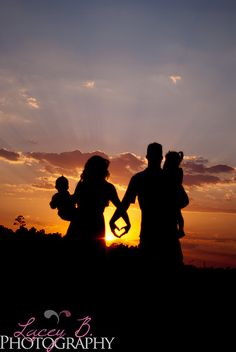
(158, 235)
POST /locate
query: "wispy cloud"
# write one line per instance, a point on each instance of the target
(14, 118)
(16, 100)
(33, 103)
(44, 183)
(175, 78)
(78, 85)
(29, 100)
(89, 84)
(230, 195)
(30, 141)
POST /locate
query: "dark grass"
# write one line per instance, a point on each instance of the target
(144, 305)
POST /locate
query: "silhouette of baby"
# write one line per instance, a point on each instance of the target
(174, 174)
(63, 200)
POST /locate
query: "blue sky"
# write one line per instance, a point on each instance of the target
(116, 75)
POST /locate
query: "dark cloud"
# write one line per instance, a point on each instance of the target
(197, 180)
(197, 172)
(200, 166)
(193, 167)
(220, 169)
(65, 160)
(9, 155)
(124, 166)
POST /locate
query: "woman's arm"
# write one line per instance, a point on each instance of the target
(76, 195)
(120, 212)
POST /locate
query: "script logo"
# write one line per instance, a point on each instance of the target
(30, 335)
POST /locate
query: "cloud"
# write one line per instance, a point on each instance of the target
(220, 169)
(124, 166)
(15, 118)
(197, 172)
(89, 84)
(16, 101)
(210, 187)
(65, 161)
(229, 196)
(9, 155)
(175, 78)
(33, 102)
(197, 180)
(31, 141)
(44, 183)
(29, 100)
(10, 189)
(194, 167)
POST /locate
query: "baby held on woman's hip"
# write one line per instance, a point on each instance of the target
(63, 200)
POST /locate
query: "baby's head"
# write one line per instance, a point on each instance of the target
(62, 184)
(173, 159)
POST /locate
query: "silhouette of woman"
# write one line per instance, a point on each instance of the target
(92, 195)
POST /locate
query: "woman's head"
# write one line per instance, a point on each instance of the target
(173, 159)
(95, 169)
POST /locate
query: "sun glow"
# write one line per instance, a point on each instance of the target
(109, 237)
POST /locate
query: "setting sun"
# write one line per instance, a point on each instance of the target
(110, 237)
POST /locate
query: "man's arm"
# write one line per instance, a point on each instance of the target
(120, 212)
(117, 214)
(128, 198)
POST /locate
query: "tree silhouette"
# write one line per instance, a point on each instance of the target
(20, 221)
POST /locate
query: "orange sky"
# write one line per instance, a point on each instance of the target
(27, 185)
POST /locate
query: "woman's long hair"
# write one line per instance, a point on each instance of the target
(95, 169)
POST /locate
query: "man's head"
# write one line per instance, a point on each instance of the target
(154, 154)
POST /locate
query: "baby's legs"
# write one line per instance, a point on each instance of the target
(180, 221)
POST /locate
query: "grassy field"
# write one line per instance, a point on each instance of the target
(134, 300)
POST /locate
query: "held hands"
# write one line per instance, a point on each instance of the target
(117, 232)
